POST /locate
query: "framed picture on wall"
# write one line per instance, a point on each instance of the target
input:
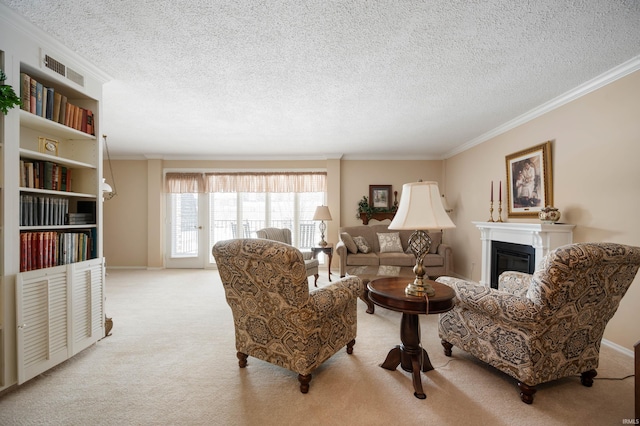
(380, 196)
(529, 186)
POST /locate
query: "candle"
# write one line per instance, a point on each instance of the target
(500, 192)
(492, 191)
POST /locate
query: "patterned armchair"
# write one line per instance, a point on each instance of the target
(276, 318)
(541, 327)
(284, 236)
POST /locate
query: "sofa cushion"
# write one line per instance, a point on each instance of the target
(433, 260)
(363, 245)
(397, 259)
(389, 242)
(365, 259)
(348, 242)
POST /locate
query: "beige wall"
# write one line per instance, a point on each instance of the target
(596, 180)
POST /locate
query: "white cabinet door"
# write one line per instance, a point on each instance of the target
(87, 303)
(42, 307)
(59, 312)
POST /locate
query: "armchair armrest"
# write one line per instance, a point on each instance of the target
(516, 283)
(335, 296)
(496, 304)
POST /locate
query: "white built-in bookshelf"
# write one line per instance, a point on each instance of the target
(52, 290)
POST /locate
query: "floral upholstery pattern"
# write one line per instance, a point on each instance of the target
(277, 319)
(541, 327)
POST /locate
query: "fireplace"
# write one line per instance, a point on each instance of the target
(541, 238)
(510, 257)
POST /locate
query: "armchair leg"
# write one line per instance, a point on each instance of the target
(526, 392)
(315, 283)
(350, 346)
(447, 347)
(242, 359)
(586, 378)
(304, 380)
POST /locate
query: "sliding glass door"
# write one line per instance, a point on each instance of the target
(197, 221)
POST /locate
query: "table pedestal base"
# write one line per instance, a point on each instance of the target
(410, 355)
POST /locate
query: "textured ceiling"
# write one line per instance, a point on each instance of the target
(314, 79)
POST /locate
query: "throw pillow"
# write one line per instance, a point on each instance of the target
(362, 244)
(348, 242)
(390, 242)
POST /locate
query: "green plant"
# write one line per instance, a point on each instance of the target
(8, 98)
(364, 207)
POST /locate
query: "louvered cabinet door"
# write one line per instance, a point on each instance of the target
(42, 309)
(87, 301)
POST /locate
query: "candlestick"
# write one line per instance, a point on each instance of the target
(491, 212)
(499, 212)
(500, 192)
(491, 191)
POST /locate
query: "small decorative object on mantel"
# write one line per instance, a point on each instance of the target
(499, 204)
(549, 215)
(8, 98)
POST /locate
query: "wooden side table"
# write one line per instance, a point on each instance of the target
(327, 250)
(389, 293)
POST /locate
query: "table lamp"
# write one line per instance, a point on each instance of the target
(420, 209)
(322, 213)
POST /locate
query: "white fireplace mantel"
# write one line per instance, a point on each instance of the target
(541, 236)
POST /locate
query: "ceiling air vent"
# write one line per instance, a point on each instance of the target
(63, 70)
(54, 65)
(75, 77)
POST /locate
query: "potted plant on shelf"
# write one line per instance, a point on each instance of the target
(8, 98)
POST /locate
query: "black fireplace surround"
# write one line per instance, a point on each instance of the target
(510, 257)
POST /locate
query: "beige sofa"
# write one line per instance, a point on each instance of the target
(438, 262)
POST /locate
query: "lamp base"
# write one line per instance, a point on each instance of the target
(420, 242)
(419, 288)
(323, 243)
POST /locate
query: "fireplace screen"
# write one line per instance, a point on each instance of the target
(510, 257)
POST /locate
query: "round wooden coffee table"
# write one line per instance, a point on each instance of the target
(389, 293)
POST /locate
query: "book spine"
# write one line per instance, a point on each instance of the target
(25, 91)
(50, 101)
(39, 98)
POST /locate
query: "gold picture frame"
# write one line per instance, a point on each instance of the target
(48, 146)
(529, 181)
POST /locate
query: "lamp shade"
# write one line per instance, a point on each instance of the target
(421, 208)
(322, 213)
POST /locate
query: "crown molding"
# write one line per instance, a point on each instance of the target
(602, 80)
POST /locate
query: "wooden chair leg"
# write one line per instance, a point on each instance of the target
(350, 346)
(242, 359)
(586, 378)
(526, 392)
(447, 347)
(315, 283)
(304, 380)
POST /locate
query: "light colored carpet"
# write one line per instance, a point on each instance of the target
(171, 361)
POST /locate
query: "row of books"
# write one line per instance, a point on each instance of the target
(44, 175)
(43, 211)
(47, 249)
(47, 103)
